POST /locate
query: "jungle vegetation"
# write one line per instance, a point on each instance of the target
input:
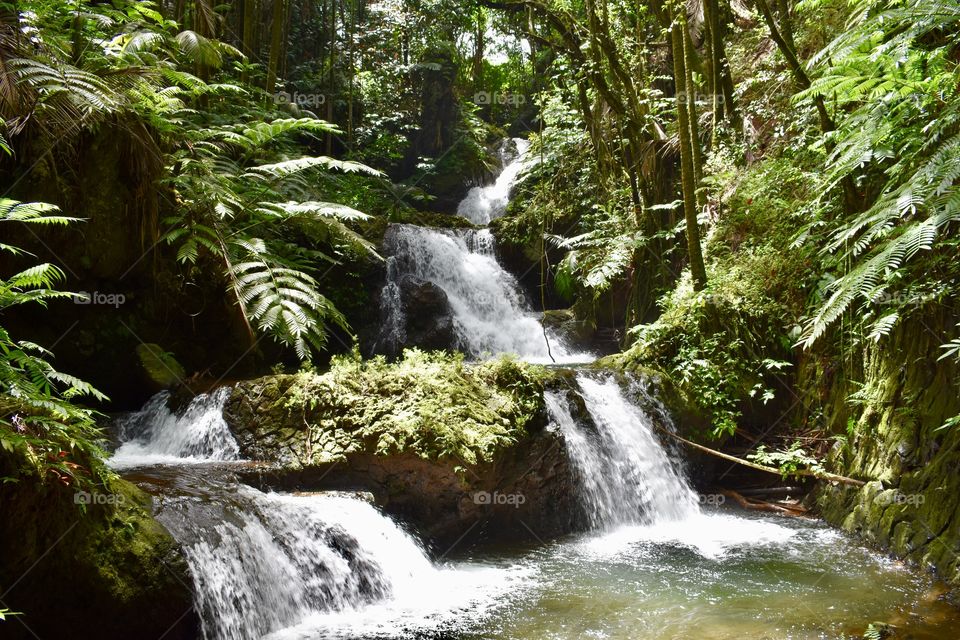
(729, 184)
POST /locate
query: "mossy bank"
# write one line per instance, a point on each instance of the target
(97, 549)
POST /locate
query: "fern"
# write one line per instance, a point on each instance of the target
(160, 365)
(281, 299)
(287, 168)
(903, 127)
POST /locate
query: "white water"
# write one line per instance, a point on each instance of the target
(286, 565)
(156, 435)
(483, 204)
(631, 491)
(490, 313)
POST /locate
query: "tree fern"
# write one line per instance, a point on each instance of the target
(903, 132)
(281, 299)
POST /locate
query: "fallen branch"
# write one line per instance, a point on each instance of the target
(819, 475)
(771, 491)
(759, 505)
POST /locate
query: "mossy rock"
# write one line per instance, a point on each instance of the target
(432, 405)
(103, 570)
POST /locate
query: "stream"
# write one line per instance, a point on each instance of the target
(659, 561)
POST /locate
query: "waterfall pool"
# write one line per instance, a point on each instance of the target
(656, 563)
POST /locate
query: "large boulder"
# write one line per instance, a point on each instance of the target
(428, 317)
(450, 448)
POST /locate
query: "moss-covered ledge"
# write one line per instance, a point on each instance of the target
(90, 563)
(894, 437)
(431, 436)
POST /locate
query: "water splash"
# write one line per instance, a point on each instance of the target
(157, 435)
(490, 312)
(630, 489)
(624, 472)
(272, 563)
(483, 204)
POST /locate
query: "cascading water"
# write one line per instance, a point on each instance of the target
(624, 474)
(264, 562)
(630, 489)
(269, 564)
(483, 204)
(491, 314)
(155, 434)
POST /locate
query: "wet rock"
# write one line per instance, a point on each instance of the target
(428, 317)
(912, 505)
(508, 478)
(111, 572)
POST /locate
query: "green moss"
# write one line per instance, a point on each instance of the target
(434, 405)
(110, 559)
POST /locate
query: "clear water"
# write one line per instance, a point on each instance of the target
(806, 582)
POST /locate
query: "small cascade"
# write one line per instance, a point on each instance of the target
(490, 313)
(625, 475)
(630, 489)
(155, 434)
(483, 204)
(264, 562)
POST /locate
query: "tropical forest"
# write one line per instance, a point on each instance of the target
(480, 319)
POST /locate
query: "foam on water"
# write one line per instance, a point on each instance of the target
(289, 566)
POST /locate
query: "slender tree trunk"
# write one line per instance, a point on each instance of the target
(691, 98)
(78, 42)
(276, 44)
(479, 36)
(331, 77)
(851, 197)
(249, 29)
(688, 179)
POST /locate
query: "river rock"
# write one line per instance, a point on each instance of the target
(427, 314)
(392, 430)
(119, 571)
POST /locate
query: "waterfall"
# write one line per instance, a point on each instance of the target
(263, 562)
(628, 486)
(483, 204)
(624, 473)
(155, 434)
(490, 312)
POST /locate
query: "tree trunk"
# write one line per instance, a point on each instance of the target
(249, 29)
(851, 197)
(276, 44)
(697, 269)
(691, 97)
